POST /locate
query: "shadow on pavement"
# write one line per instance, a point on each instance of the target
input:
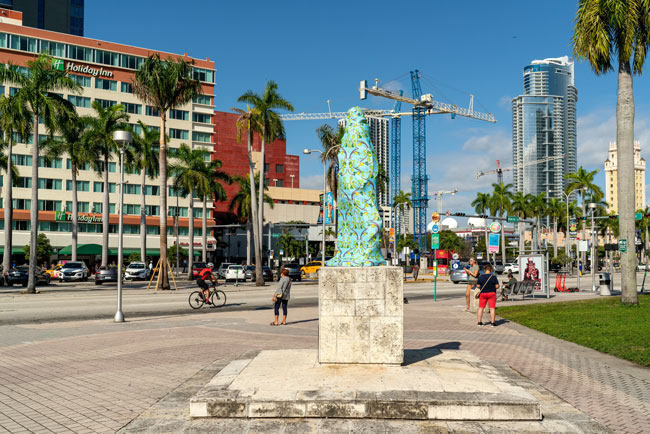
(414, 356)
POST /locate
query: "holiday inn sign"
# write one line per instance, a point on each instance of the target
(62, 216)
(60, 65)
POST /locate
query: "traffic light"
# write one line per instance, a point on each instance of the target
(459, 214)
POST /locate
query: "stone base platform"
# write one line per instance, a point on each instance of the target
(434, 384)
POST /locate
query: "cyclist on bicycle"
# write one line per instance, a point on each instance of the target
(206, 274)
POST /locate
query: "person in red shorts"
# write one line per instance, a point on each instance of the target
(489, 283)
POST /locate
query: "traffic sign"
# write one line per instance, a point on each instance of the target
(495, 227)
(435, 217)
(513, 219)
(622, 245)
(455, 256)
(638, 215)
(435, 229)
(435, 241)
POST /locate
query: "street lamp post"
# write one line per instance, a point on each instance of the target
(292, 176)
(124, 138)
(440, 194)
(566, 195)
(178, 246)
(594, 261)
(307, 152)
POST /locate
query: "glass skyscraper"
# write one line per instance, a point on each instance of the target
(544, 125)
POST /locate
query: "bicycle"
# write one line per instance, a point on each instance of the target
(213, 296)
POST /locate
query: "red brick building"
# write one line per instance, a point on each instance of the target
(281, 170)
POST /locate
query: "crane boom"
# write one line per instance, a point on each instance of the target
(341, 115)
(518, 166)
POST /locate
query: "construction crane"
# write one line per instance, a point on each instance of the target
(499, 170)
(423, 105)
(396, 163)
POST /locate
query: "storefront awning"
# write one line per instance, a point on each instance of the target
(150, 252)
(14, 250)
(83, 250)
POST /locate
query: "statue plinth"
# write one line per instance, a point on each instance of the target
(361, 314)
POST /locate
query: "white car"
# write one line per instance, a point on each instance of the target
(511, 268)
(76, 270)
(236, 272)
(136, 271)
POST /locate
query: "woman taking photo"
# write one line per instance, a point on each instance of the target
(281, 297)
(488, 284)
(472, 275)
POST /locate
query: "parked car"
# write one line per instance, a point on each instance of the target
(459, 275)
(511, 268)
(641, 267)
(54, 271)
(137, 271)
(74, 270)
(310, 267)
(267, 273)
(294, 271)
(106, 275)
(498, 266)
(235, 272)
(198, 267)
(249, 272)
(221, 271)
(19, 276)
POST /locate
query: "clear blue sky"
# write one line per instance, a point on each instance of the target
(317, 51)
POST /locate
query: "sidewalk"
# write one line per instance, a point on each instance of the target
(96, 376)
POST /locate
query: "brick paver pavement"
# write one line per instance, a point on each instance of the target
(95, 376)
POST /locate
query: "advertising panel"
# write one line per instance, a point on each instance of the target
(531, 267)
(493, 245)
(329, 208)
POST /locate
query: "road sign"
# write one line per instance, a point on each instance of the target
(455, 265)
(435, 229)
(513, 219)
(435, 217)
(583, 246)
(276, 235)
(622, 245)
(493, 244)
(495, 227)
(638, 215)
(435, 241)
(455, 256)
(573, 228)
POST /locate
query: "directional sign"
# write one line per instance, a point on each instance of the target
(435, 229)
(435, 241)
(638, 215)
(513, 219)
(622, 245)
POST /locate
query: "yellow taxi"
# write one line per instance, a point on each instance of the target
(54, 271)
(310, 267)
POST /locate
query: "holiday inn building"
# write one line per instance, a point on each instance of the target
(105, 71)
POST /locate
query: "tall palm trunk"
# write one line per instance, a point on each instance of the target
(625, 154)
(143, 219)
(9, 208)
(554, 236)
(33, 214)
(259, 278)
(522, 244)
(503, 244)
(105, 214)
(190, 250)
(260, 219)
(204, 230)
(248, 242)
(162, 165)
(75, 209)
(584, 229)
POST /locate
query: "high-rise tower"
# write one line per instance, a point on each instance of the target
(544, 125)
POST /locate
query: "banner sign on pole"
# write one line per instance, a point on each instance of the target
(435, 241)
(573, 228)
(493, 245)
(320, 214)
(329, 208)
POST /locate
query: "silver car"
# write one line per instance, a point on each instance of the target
(137, 271)
(74, 270)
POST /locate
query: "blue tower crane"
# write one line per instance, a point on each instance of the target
(396, 163)
(419, 180)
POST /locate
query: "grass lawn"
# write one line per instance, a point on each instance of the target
(602, 324)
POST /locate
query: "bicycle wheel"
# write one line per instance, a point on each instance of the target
(196, 300)
(218, 298)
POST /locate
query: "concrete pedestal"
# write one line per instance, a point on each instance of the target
(361, 316)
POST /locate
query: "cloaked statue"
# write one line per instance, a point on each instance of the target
(359, 224)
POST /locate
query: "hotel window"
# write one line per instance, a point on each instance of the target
(279, 168)
(201, 118)
(198, 213)
(181, 115)
(151, 111)
(278, 183)
(126, 87)
(56, 49)
(79, 101)
(52, 163)
(198, 232)
(81, 206)
(98, 187)
(21, 160)
(49, 205)
(80, 53)
(131, 62)
(3, 40)
(23, 43)
(102, 83)
(202, 99)
(21, 225)
(153, 230)
(205, 75)
(18, 138)
(81, 80)
(81, 185)
(182, 211)
(135, 109)
(13, 91)
(153, 210)
(181, 231)
(201, 137)
(178, 134)
(97, 207)
(131, 209)
(137, 129)
(49, 184)
(22, 203)
(111, 208)
(131, 189)
(152, 190)
(24, 182)
(105, 103)
(112, 187)
(107, 57)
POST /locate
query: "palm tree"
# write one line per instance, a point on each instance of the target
(100, 142)
(14, 117)
(216, 193)
(481, 205)
(242, 204)
(382, 181)
(500, 204)
(331, 143)
(269, 127)
(521, 208)
(37, 91)
(400, 201)
(605, 29)
(538, 210)
(144, 159)
(164, 84)
(72, 142)
(247, 119)
(555, 208)
(190, 178)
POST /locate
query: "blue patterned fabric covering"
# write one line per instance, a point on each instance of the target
(359, 224)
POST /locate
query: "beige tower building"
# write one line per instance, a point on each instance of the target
(611, 182)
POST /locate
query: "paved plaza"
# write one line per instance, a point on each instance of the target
(96, 376)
